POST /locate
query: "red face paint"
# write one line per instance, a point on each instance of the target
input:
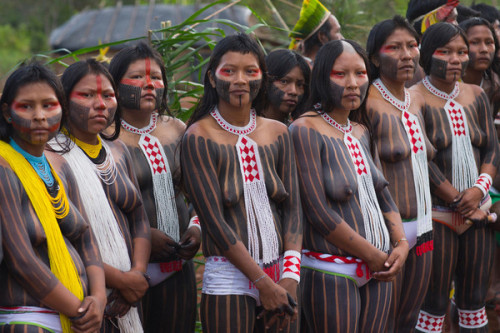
(387, 49)
(336, 74)
(254, 72)
(224, 72)
(439, 52)
(19, 106)
(53, 106)
(98, 80)
(148, 71)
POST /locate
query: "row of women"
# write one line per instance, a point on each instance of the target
(326, 226)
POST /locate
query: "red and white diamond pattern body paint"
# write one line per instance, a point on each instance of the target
(464, 168)
(163, 189)
(260, 220)
(248, 160)
(429, 323)
(291, 265)
(419, 166)
(152, 149)
(374, 224)
(472, 318)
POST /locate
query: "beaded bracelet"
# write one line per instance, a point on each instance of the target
(483, 183)
(396, 243)
(291, 265)
(259, 278)
(194, 222)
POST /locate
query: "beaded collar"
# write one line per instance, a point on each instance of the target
(403, 106)
(346, 129)
(40, 164)
(245, 130)
(145, 130)
(427, 83)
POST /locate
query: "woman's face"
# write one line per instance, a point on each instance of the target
(35, 114)
(142, 86)
(398, 56)
(481, 47)
(92, 104)
(237, 79)
(288, 91)
(348, 80)
(449, 62)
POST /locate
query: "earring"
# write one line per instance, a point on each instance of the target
(9, 119)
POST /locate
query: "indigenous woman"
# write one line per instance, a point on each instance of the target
(112, 201)
(239, 172)
(483, 66)
(51, 276)
(397, 126)
(288, 85)
(458, 123)
(152, 138)
(351, 218)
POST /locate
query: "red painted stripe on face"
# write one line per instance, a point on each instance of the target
(335, 73)
(18, 106)
(148, 71)
(255, 72)
(439, 52)
(387, 49)
(53, 106)
(98, 80)
(20, 128)
(54, 127)
(78, 95)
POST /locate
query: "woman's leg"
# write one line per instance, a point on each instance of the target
(375, 305)
(473, 273)
(171, 305)
(227, 313)
(416, 276)
(444, 260)
(329, 303)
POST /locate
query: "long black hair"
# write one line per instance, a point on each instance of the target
(24, 75)
(239, 42)
(122, 60)
(77, 71)
(378, 36)
(436, 36)
(279, 63)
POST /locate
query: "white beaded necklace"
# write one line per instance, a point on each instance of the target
(419, 166)
(163, 188)
(374, 224)
(260, 219)
(464, 168)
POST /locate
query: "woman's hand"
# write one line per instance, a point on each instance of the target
(189, 243)
(117, 306)
(163, 247)
(377, 261)
(394, 263)
(467, 201)
(134, 286)
(275, 298)
(91, 313)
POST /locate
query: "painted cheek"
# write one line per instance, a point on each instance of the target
(254, 88)
(158, 84)
(54, 123)
(19, 123)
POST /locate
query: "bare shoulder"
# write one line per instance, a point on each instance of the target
(205, 127)
(308, 119)
(271, 125)
(171, 124)
(116, 146)
(359, 130)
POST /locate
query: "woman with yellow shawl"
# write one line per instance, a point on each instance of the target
(52, 276)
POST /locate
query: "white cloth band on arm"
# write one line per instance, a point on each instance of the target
(483, 183)
(291, 265)
(194, 222)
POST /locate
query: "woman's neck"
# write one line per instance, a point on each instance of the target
(341, 116)
(444, 86)
(86, 137)
(237, 116)
(32, 149)
(396, 88)
(273, 113)
(473, 76)
(137, 118)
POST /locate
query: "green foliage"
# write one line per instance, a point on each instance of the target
(14, 46)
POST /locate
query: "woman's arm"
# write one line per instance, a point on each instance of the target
(308, 150)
